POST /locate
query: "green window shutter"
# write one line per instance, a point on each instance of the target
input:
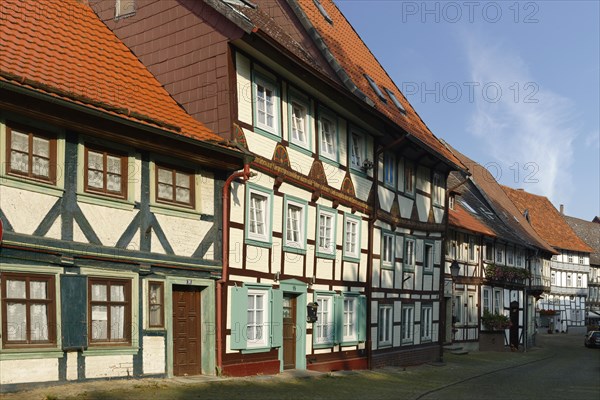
(239, 317)
(73, 307)
(362, 318)
(277, 318)
(338, 318)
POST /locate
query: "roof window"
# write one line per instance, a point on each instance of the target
(323, 11)
(124, 8)
(468, 207)
(375, 88)
(395, 100)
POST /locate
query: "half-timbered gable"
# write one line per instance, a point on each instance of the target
(110, 203)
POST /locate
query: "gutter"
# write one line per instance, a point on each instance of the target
(245, 175)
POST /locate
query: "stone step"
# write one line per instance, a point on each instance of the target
(452, 347)
(459, 352)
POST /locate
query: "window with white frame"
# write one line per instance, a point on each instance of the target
(408, 323)
(349, 328)
(426, 323)
(299, 123)
(326, 231)
(409, 177)
(570, 257)
(458, 309)
(581, 259)
(498, 301)
(471, 248)
(579, 280)
(328, 136)
(323, 327)
(438, 189)
(486, 299)
(295, 224)
(258, 217)
(357, 150)
(509, 257)
(451, 202)
(553, 277)
(387, 251)
(124, 8)
(389, 169)
(489, 251)
(519, 258)
(409, 254)
(266, 102)
(471, 309)
(428, 257)
(351, 237)
(257, 331)
(569, 281)
(499, 255)
(385, 324)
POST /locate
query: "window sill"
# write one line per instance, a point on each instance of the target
(110, 351)
(390, 186)
(384, 345)
(258, 243)
(98, 200)
(358, 172)
(323, 345)
(350, 343)
(254, 350)
(174, 211)
(428, 271)
(389, 267)
(268, 134)
(326, 255)
(30, 185)
(295, 250)
(28, 354)
(352, 259)
(329, 161)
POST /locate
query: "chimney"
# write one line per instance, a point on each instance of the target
(562, 209)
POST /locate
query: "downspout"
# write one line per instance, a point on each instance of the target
(245, 175)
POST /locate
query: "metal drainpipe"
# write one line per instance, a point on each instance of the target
(245, 175)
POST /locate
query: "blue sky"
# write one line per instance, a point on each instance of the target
(513, 85)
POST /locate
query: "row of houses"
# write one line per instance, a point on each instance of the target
(234, 187)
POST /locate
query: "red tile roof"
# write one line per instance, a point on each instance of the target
(460, 218)
(60, 48)
(547, 221)
(353, 55)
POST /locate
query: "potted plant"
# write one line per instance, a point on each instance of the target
(494, 322)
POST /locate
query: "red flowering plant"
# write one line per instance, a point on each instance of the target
(504, 273)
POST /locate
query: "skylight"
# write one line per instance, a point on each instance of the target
(468, 207)
(323, 11)
(395, 100)
(375, 88)
(487, 212)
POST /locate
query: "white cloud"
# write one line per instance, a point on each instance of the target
(517, 129)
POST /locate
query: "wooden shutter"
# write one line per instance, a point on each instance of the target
(276, 318)
(73, 301)
(362, 318)
(239, 317)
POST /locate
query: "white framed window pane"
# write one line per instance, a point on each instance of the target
(257, 214)
(117, 323)
(15, 289)
(16, 322)
(99, 292)
(38, 319)
(99, 322)
(293, 223)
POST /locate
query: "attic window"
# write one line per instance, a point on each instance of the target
(323, 11)
(487, 212)
(124, 8)
(375, 88)
(395, 100)
(468, 207)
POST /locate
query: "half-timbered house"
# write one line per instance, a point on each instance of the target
(110, 204)
(332, 249)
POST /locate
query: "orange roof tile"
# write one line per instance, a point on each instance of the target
(460, 218)
(356, 59)
(547, 221)
(61, 48)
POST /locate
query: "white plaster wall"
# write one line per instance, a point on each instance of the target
(14, 201)
(294, 264)
(386, 198)
(237, 195)
(324, 268)
(423, 206)
(299, 162)
(154, 355)
(108, 223)
(244, 87)
(22, 371)
(55, 230)
(350, 271)
(362, 186)
(438, 215)
(72, 366)
(387, 279)
(184, 235)
(406, 206)
(375, 277)
(78, 235)
(259, 144)
(155, 244)
(423, 180)
(335, 176)
(108, 366)
(257, 258)
(207, 193)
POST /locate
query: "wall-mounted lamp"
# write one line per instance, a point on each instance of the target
(367, 165)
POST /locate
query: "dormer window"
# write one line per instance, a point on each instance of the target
(395, 100)
(124, 8)
(375, 88)
(323, 11)
(451, 202)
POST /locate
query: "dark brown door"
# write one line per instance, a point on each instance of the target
(186, 330)
(289, 332)
(514, 328)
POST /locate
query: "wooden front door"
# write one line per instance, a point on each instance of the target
(186, 331)
(289, 332)
(514, 328)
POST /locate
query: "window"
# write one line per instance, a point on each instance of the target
(326, 232)
(349, 329)
(109, 310)
(519, 258)
(257, 328)
(409, 178)
(509, 257)
(323, 11)
(499, 255)
(351, 237)
(458, 309)
(323, 329)
(579, 281)
(299, 124)
(581, 259)
(266, 105)
(486, 299)
(32, 154)
(395, 100)
(428, 258)
(28, 310)
(570, 257)
(472, 311)
(258, 225)
(569, 281)
(438, 190)
(295, 224)
(387, 251)
(356, 151)
(389, 170)
(553, 278)
(497, 301)
(156, 308)
(451, 202)
(426, 323)
(471, 248)
(409, 254)
(489, 251)
(124, 8)
(105, 172)
(385, 324)
(174, 186)
(408, 315)
(375, 88)
(328, 135)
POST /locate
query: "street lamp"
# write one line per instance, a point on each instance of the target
(454, 270)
